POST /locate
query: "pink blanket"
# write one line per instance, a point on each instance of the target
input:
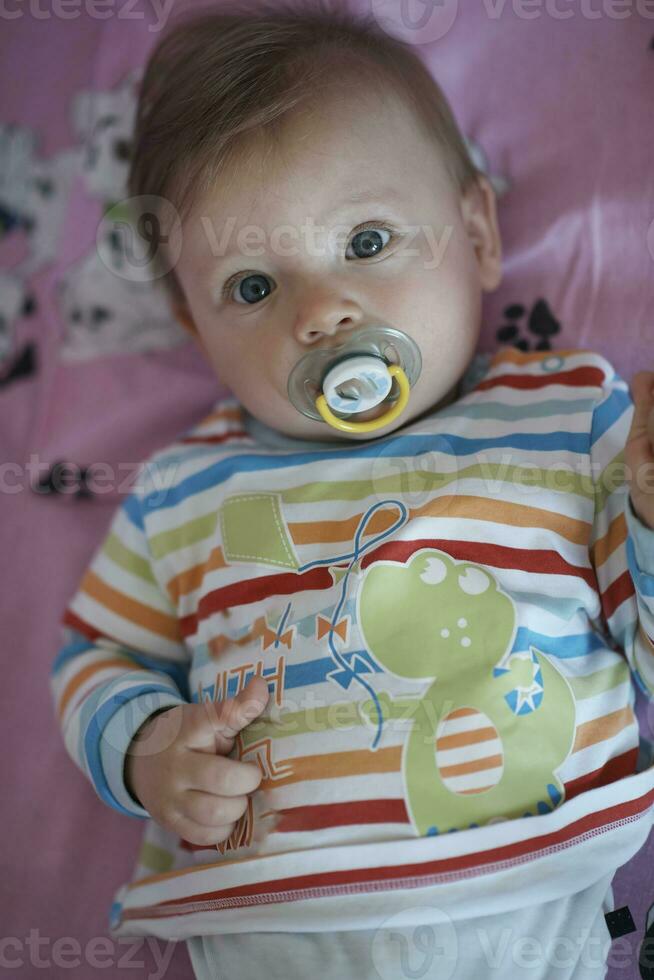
(557, 109)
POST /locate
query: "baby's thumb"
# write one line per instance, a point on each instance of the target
(247, 705)
(229, 717)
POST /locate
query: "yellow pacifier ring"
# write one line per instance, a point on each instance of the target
(371, 425)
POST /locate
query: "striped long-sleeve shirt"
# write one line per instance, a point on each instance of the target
(450, 619)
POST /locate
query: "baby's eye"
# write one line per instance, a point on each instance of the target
(368, 242)
(248, 289)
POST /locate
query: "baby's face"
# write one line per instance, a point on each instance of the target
(274, 264)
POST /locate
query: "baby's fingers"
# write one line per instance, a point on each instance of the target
(196, 833)
(213, 812)
(220, 775)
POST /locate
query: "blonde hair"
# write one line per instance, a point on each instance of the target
(217, 80)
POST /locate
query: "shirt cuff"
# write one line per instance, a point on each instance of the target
(642, 538)
(116, 738)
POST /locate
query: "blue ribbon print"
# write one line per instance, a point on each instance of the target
(359, 660)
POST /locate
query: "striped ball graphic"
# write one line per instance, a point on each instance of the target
(469, 752)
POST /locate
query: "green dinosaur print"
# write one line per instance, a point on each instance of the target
(449, 623)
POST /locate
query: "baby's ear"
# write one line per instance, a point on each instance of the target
(478, 207)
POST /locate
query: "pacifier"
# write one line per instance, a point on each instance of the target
(375, 365)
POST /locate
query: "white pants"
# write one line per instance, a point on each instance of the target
(565, 939)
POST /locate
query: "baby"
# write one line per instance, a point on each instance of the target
(363, 643)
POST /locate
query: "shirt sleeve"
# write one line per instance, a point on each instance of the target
(621, 546)
(122, 658)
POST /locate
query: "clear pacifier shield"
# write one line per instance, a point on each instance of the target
(353, 374)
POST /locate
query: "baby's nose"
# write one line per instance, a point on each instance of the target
(315, 324)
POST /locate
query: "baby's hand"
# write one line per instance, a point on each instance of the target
(177, 765)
